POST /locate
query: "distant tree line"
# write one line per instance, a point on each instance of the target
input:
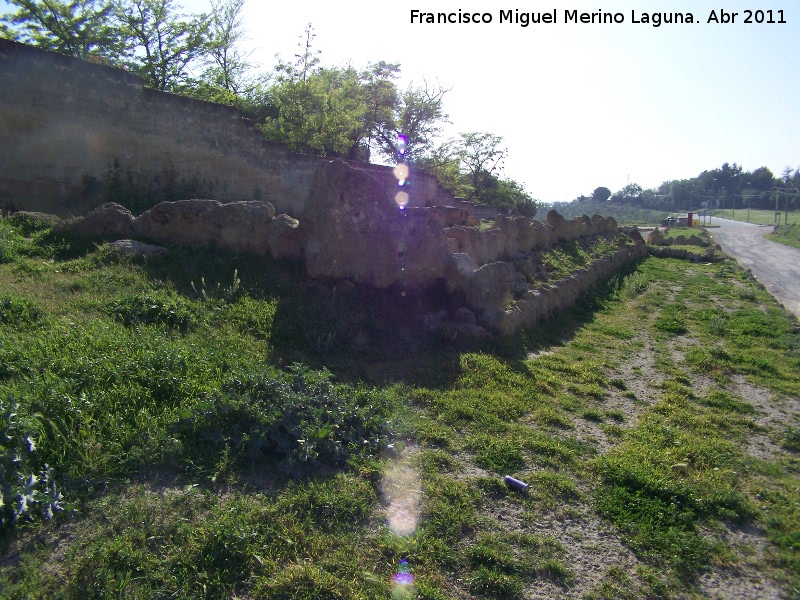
(311, 108)
(728, 187)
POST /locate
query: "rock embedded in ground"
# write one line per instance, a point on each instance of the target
(235, 226)
(110, 221)
(134, 248)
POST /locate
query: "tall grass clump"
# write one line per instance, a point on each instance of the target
(634, 285)
(11, 242)
(154, 308)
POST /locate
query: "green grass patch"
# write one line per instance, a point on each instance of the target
(223, 429)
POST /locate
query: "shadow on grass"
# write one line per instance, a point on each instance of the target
(360, 333)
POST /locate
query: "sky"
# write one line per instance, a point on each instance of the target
(578, 105)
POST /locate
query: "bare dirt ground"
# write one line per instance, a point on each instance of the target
(594, 547)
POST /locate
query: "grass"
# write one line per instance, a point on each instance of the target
(787, 234)
(202, 425)
(759, 217)
(623, 214)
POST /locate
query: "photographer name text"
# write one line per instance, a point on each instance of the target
(599, 17)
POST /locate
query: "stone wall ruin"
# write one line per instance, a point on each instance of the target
(64, 121)
(71, 131)
(351, 229)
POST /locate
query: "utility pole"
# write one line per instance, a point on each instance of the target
(713, 199)
(777, 211)
(786, 218)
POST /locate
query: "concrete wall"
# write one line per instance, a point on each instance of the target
(65, 121)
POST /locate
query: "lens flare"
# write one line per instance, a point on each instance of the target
(403, 575)
(401, 198)
(401, 173)
(402, 144)
(402, 490)
(403, 583)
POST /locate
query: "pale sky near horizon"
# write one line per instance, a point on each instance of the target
(579, 105)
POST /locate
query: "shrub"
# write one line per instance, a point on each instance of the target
(27, 490)
(154, 308)
(791, 439)
(301, 418)
(18, 311)
(28, 224)
(671, 320)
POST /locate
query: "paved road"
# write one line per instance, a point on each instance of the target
(775, 265)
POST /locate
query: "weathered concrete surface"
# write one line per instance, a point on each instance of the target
(775, 265)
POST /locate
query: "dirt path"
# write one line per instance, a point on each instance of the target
(775, 265)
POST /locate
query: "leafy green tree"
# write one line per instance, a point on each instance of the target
(601, 194)
(481, 157)
(381, 102)
(469, 167)
(160, 42)
(510, 196)
(227, 63)
(630, 194)
(314, 110)
(761, 179)
(419, 117)
(445, 166)
(80, 28)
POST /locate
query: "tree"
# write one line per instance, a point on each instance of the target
(480, 156)
(227, 64)
(381, 100)
(601, 194)
(318, 115)
(419, 116)
(469, 167)
(80, 28)
(161, 43)
(445, 166)
(630, 194)
(761, 179)
(314, 110)
(510, 196)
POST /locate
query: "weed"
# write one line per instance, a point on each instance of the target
(27, 487)
(791, 439)
(303, 582)
(226, 294)
(500, 455)
(725, 401)
(18, 311)
(635, 285)
(154, 308)
(302, 418)
(494, 583)
(671, 320)
(747, 292)
(11, 242)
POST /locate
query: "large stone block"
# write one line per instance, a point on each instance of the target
(355, 230)
(236, 226)
(109, 221)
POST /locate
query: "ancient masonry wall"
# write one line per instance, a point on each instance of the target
(64, 122)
